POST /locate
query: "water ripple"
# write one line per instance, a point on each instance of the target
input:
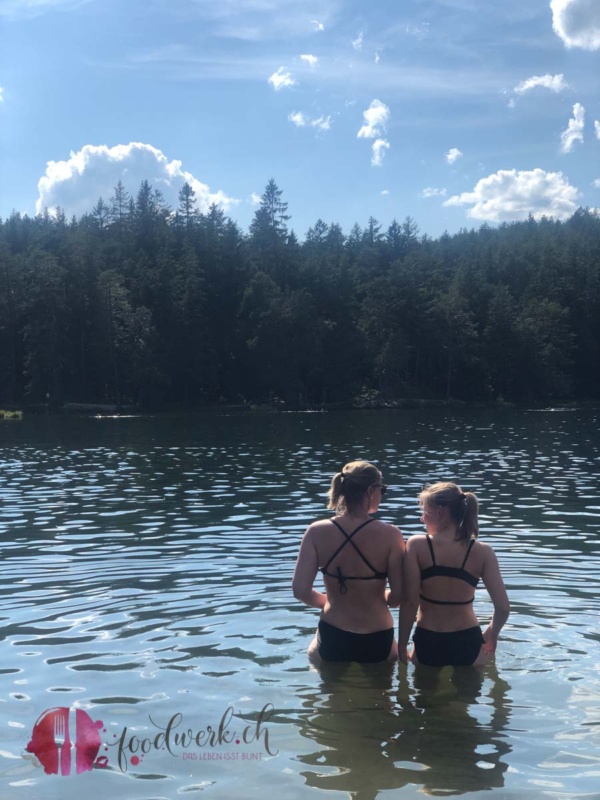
(161, 551)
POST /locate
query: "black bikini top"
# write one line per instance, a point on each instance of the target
(341, 578)
(436, 570)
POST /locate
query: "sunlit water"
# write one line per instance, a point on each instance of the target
(146, 568)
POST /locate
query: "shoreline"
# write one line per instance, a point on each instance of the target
(398, 404)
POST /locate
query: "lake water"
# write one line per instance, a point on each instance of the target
(145, 577)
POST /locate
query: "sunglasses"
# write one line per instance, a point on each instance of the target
(382, 486)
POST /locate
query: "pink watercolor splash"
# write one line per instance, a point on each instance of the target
(84, 740)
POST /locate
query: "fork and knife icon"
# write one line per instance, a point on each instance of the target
(60, 739)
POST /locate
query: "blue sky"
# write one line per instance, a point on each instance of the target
(455, 112)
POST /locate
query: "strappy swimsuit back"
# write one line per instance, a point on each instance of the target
(340, 577)
(437, 570)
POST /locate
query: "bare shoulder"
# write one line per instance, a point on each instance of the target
(486, 555)
(394, 530)
(486, 550)
(319, 525)
(393, 536)
(415, 542)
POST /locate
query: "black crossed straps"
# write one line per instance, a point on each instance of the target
(341, 578)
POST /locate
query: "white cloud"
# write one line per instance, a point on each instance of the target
(555, 83)
(385, 192)
(358, 42)
(379, 148)
(431, 191)
(300, 120)
(513, 195)
(401, 80)
(597, 183)
(255, 199)
(597, 128)
(19, 9)
(453, 155)
(574, 131)
(1, 94)
(376, 117)
(312, 61)
(577, 22)
(322, 123)
(76, 184)
(377, 57)
(259, 20)
(418, 31)
(281, 79)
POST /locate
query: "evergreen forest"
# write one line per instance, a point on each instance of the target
(137, 304)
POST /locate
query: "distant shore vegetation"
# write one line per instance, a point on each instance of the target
(139, 305)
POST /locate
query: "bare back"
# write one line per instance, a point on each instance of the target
(356, 564)
(449, 572)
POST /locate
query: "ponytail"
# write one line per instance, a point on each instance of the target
(349, 486)
(335, 490)
(463, 507)
(469, 525)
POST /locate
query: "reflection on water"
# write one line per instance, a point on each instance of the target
(444, 731)
(146, 571)
(462, 734)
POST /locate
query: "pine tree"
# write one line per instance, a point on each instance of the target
(119, 207)
(187, 210)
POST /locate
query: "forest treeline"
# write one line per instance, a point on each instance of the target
(135, 303)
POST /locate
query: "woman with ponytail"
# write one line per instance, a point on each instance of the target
(358, 556)
(441, 571)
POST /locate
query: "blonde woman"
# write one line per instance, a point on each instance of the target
(441, 572)
(357, 555)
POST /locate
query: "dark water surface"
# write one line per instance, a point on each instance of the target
(146, 573)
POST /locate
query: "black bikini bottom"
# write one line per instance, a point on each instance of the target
(456, 648)
(336, 644)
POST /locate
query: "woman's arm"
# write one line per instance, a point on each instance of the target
(307, 566)
(492, 580)
(410, 598)
(394, 568)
